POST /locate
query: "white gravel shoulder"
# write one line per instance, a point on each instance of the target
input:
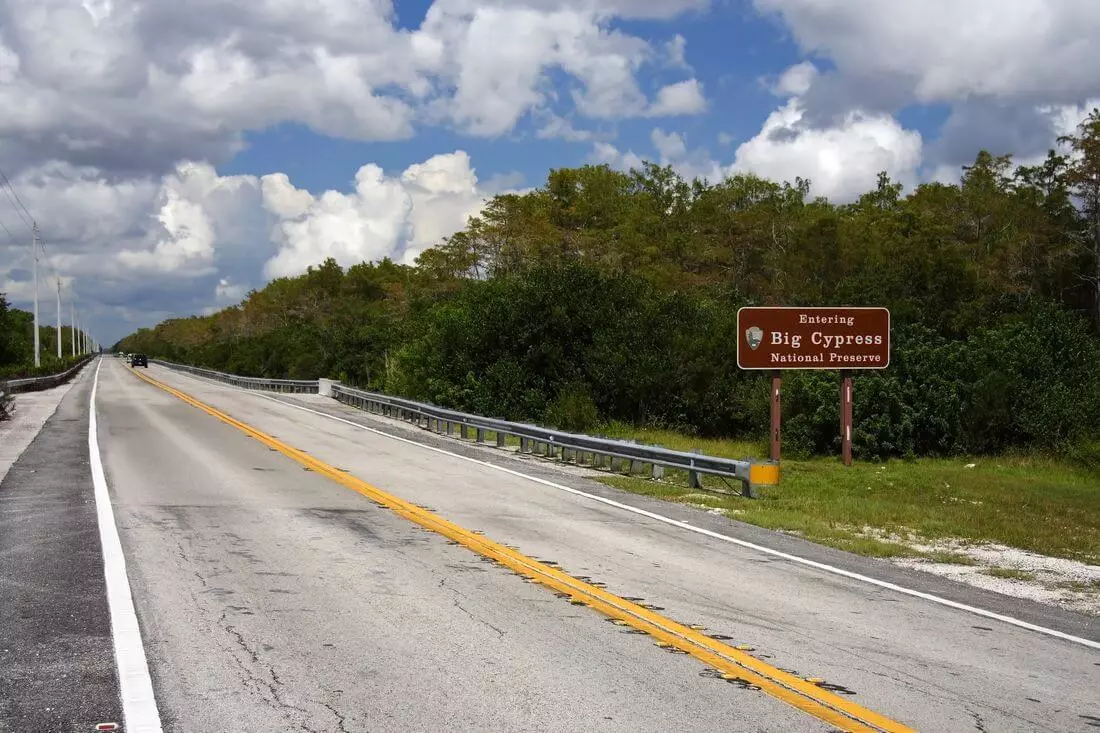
(32, 410)
(1069, 584)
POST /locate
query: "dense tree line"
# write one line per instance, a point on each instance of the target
(17, 345)
(608, 295)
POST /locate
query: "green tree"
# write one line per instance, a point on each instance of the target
(1084, 180)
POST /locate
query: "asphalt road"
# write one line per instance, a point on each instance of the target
(272, 598)
(57, 670)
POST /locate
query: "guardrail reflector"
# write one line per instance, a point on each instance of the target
(764, 474)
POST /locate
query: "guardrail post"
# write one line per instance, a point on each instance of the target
(694, 481)
(635, 466)
(524, 445)
(616, 464)
(501, 437)
(658, 472)
(464, 431)
(480, 435)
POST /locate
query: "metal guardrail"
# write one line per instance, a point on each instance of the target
(588, 450)
(32, 384)
(574, 447)
(296, 386)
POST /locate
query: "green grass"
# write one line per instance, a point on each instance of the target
(1029, 502)
(1009, 573)
(679, 441)
(948, 558)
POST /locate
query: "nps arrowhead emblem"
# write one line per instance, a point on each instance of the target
(755, 336)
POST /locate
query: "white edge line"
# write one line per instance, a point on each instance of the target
(139, 706)
(684, 525)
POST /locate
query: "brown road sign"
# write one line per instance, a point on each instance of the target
(813, 338)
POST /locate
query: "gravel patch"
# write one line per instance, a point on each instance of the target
(1068, 584)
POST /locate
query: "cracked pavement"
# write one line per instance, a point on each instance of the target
(271, 599)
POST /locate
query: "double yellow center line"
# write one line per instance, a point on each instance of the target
(730, 662)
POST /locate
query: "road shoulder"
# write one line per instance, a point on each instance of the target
(57, 670)
(32, 410)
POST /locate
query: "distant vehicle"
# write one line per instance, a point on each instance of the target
(139, 360)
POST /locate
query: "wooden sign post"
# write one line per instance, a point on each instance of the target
(777, 414)
(846, 418)
(842, 339)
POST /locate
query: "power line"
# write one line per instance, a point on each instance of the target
(29, 221)
(10, 235)
(16, 202)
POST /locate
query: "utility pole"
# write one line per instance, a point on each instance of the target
(59, 319)
(34, 253)
(72, 321)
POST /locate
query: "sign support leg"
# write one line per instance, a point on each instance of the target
(776, 403)
(846, 417)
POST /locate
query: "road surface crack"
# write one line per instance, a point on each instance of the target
(979, 724)
(479, 620)
(261, 684)
(340, 719)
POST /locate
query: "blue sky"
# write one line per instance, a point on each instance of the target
(177, 155)
(731, 49)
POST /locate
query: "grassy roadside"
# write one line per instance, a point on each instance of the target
(883, 509)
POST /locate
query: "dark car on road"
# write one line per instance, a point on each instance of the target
(139, 360)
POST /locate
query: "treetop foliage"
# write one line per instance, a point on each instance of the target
(610, 295)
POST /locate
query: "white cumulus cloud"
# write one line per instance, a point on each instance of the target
(796, 80)
(137, 85)
(949, 50)
(682, 98)
(840, 161)
(193, 240)
(384, 216)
